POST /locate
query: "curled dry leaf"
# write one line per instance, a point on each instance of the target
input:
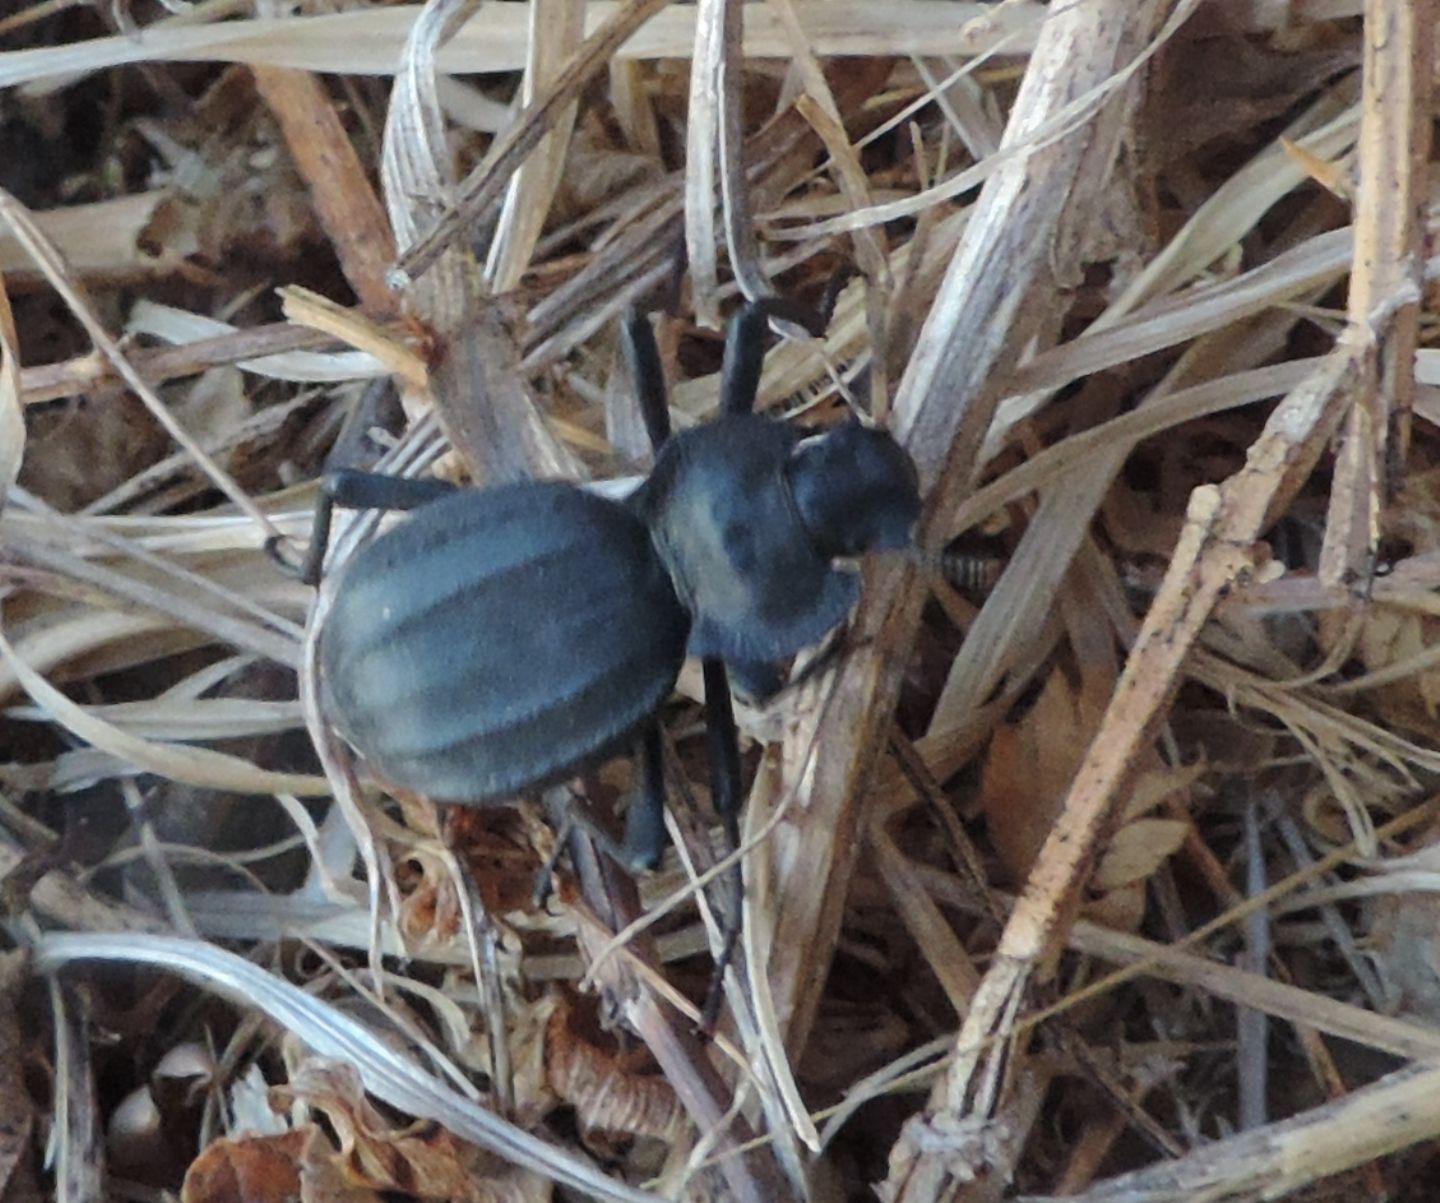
(429, 907)
(609, 1092)
(423, 1159)
(294, 1167)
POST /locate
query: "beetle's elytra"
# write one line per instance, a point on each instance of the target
(490, 643)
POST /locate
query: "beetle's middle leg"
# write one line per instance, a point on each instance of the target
(644, 840)
(353, 489)
(644, 832)
(722, 752)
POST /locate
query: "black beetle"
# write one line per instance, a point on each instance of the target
(501, 639)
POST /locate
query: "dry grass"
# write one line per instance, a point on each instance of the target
(1097, 864)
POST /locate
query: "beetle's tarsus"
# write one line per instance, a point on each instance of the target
(722, 747)
(545, 877)
(715, 992)
(273, 548)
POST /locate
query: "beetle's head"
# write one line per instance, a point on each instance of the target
(856, 490)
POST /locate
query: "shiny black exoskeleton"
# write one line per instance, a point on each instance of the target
(497, 640)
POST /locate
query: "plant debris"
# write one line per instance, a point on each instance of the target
(1094, 859)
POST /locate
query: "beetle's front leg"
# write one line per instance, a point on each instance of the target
(353, 490)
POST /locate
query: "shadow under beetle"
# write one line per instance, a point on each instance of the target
(502, 639)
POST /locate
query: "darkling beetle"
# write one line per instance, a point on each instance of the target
(502, 639)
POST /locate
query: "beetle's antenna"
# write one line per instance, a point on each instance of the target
(745, 347)
(647, 373)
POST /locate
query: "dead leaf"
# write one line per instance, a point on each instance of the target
(1331, 174)
(608, 1093)
(261, 1169)
(423, 1159)
(1137, 850)
(299, 1165)
(1027, 771)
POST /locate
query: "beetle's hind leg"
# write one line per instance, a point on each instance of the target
(353, 489)
(644, 841)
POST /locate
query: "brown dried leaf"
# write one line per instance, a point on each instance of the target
(1028, 769)
(298, 1166)
(262, 1169)
(82, 450)
(423, 1159)
(1137, 850)
(606, 1092)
